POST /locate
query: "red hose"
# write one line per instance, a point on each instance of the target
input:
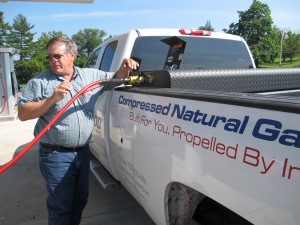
(84, 90)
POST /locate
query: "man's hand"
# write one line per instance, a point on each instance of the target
(61, 91)
(126, 66)
(32, 110)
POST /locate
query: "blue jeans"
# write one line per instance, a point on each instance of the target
(67, 181)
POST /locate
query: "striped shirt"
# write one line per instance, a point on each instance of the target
(75, 126)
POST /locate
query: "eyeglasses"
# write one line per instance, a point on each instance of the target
(55, 56)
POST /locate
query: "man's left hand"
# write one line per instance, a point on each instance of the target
(126, 66)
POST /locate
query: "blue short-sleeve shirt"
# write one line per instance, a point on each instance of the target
(75, 125)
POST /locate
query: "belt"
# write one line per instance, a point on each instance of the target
(63, 148)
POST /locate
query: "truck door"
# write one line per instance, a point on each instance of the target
(102, 59)
(122, 133)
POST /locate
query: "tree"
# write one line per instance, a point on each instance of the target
(207, 26)
(26, 69)
(255, 26)
(291, 46)
(5, 27)
(20, 36)
(87, 40)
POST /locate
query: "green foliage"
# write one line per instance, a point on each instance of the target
(26, 69)
(207, 26)
(4, 29)
(87, 40)
(255, 26)
(80, 62)
(20, 37)
(290, 46)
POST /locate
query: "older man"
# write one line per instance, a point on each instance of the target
(64, 149)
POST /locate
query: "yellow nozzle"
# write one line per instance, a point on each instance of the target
(136, 80)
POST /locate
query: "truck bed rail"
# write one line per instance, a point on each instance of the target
(235, 80)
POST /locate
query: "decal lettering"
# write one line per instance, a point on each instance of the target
(218, 133)
(271, 130)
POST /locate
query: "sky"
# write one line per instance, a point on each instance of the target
(119, 16)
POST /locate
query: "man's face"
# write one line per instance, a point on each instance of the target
(60, 62)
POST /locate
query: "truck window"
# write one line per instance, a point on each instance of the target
(91, 63)
(108, 56)
(198, 53)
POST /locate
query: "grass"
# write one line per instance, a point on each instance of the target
(286, 64)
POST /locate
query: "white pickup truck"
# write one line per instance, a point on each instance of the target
(199, 136)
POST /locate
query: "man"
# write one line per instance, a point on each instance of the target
(64, 150)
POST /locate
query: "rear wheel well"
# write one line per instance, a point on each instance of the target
(181, 203)
(185, 206)
(210, 212)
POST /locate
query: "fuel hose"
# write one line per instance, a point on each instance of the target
(87, 88)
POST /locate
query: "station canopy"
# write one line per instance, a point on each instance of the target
(65, 1)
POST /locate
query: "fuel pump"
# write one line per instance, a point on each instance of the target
(8, 85)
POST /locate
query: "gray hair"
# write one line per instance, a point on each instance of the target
(71, 47)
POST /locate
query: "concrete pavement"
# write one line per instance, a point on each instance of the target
(22, 192)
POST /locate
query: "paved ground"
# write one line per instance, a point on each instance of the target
(22, 193)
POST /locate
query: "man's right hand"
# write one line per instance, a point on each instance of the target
(61, 91)
(32, 110)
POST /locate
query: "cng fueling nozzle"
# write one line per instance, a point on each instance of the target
(140, 79)
(157, 79)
